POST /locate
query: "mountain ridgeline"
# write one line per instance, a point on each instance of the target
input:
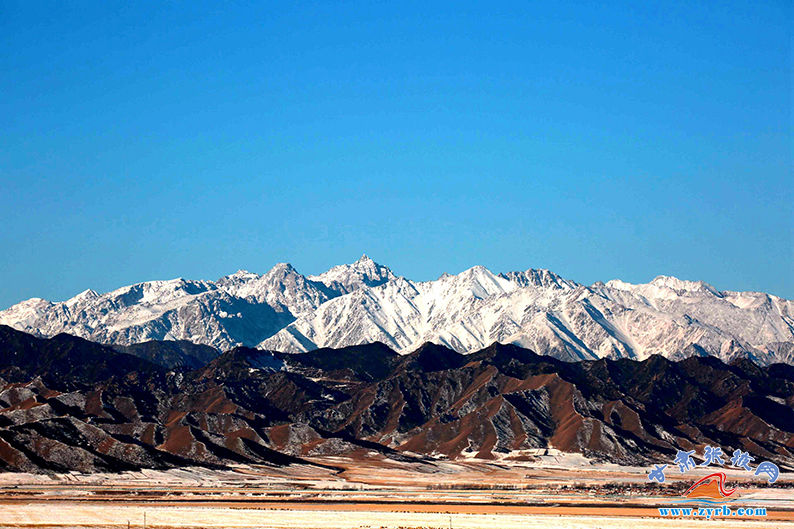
(68, 404)
(365, 302)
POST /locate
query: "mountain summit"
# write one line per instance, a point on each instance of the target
(365, 302)
(349, 277)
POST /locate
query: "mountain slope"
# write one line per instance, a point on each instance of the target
(179, 309)
(242, 308)
(172, 354)
(544, 312)
(365, 302)
(69, 404)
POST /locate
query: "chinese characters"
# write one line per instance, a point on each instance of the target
(712, 455)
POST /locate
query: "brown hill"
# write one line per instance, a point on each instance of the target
(69, 404)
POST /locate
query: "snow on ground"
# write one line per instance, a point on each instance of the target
(36, 514)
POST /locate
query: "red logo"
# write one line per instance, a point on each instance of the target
(711, 487)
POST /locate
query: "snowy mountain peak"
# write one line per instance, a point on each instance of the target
(681, 285)
(365, 264)
(242, 274)
(477, 273)
(83, 296)
(282, 288)
(282, 269)
(349, 277)
(161, 291)
(665, 287)
(482, 282)
(540, 278)
(364, 302)
(549, 314)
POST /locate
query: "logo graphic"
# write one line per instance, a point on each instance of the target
(711, 489)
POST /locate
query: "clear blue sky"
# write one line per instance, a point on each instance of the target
(155, 140)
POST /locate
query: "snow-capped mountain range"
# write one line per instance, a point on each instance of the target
(365, 302)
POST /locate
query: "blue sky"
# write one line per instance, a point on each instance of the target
(151, 141)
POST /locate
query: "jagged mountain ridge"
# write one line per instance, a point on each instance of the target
(239, 309)
(366, 302)
(67, 404)
(544, 312)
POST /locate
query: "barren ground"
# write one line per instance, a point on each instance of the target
(373, 492)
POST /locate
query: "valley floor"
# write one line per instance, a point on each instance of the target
(372, 492)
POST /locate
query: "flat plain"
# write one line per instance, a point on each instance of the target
(375, 492)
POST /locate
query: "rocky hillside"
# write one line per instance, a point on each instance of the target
(70, 404)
